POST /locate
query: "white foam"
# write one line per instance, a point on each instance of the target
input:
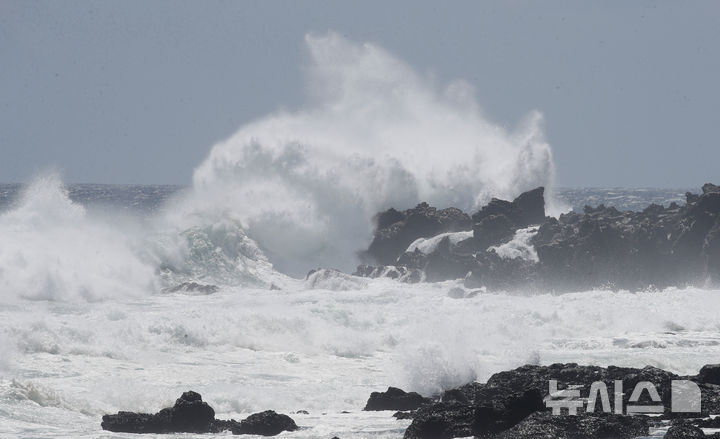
(428, 245)
(53, 250)
(520, 246)
(374, 134)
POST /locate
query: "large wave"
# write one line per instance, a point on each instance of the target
(52, 249)
(289, 192)
(374, 134)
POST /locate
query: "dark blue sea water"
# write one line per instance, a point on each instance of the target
(146, 199)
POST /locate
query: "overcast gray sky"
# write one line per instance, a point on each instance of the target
(139, 91)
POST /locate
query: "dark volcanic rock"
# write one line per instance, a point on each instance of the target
(442, 420)
(527, 209)
(400, 272)
(684, 431)
(397, 230)
(130, 422)
(267, 423)
(710, 374)
(511, 405)
(710, 188)
(587, 426)
(395, 399)
(489, 411)
(599, 248)
(191, 415)
(656, 247)
(194, 287)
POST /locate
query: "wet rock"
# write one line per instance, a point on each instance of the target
(525, 210)
(404, 415)
(544, 425)
(400, 273)
(194, 287)
(601, 247)
(710, 374)
(684, 431)
(456, 293)
(488, 411)
(442, 420)
(709, 188)
(267, 423)
(191, 415)
(492, 230)
(395, 230)
(395, 399)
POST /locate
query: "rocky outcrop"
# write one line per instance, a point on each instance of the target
(684, 432)
(395, 399)
(512, 404)
(543, 425)
(598, 248)
(191, 414)
(396, 230)
(710, 374)
(267, 423)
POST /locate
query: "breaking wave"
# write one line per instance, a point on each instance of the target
(374, 134)
(289, 192)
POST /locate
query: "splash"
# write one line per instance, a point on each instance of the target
(374, 134)
(53, 250)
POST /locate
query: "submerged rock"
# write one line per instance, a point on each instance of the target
(191, 415)
(194, 287)
(395, 399)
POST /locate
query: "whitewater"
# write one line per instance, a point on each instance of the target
(90, 322)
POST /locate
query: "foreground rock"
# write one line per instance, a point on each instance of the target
(684, 432)
(512, 404)
(514, 246)
(191, 415)
(587, 426)
(395, 399)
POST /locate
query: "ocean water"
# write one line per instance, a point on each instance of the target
(92, 337)
(89, 323)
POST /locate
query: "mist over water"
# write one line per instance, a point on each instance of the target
(52, 249)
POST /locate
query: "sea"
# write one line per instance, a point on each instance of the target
(121, 297)
(88, 324)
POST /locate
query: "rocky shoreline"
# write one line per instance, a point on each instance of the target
(517, 404)
(513, 245)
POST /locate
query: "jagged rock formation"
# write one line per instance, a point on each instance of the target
(512, 405)
(396, 230)
(191, 414)
(599, 248)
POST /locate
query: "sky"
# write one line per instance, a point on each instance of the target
(139, 91)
